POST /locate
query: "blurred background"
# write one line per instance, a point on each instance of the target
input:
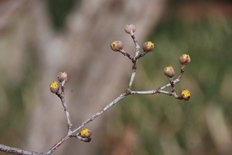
(39, 38)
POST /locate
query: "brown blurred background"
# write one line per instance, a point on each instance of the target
(39, 38)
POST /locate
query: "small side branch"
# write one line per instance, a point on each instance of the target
(59, 143)
(93, 117)
(66, 113)
(62, 77)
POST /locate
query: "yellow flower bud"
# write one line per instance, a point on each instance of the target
(130, 27)
(185, 59)
(62, 76)
(116, 45)
(169, 71)
(54, 87)
(185, 94)
(85, 133)
(148, 46)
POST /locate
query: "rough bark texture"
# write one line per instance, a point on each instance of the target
(96, 75)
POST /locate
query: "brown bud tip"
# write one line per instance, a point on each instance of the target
(129, 27)
(116, 45)
(185, 94)
(148, 46)
(62, 76)
(185, 59)
(54, 87)
(85, 133)
(169, 71)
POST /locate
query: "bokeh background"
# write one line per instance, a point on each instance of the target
(39, 38)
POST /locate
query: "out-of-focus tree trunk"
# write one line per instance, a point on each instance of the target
(95, 74)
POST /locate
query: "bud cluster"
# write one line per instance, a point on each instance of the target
(170, 72)
(117, 46)
(55, 86)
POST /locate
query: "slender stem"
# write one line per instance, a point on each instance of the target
(132, 78)
(66, 113)
(64, 104)
(93, 117)
(60, 142)
(18, 151)
(137, 47)
(172, 84)
(126, 54)
(134, 60)
(65, 107)
(182, 71)
(159, 90)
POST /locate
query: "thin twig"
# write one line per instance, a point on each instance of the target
(93, 117)
(182, 71)
(60, 142)
(137, 47)
(64, 104)
(66, 113)
(14, 150)
(126, 54)
(134, 61)
(172, 84)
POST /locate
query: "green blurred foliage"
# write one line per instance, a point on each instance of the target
(13, 119)
(164, 125)
(59, 9)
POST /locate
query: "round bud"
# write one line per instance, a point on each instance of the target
(185, 59)
(148, 46)
(62, 76)
(116, 45)
(85, 133)
(129, 27)
(169, 71)
(185, 94)
(54, 87)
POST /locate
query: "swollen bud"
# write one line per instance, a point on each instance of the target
(185, 59)
(116, 45)
(169, 71)
(85, 133)
(148, 46)
(129, 27)
(62, 76)
(54, 87)
(185, 94)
